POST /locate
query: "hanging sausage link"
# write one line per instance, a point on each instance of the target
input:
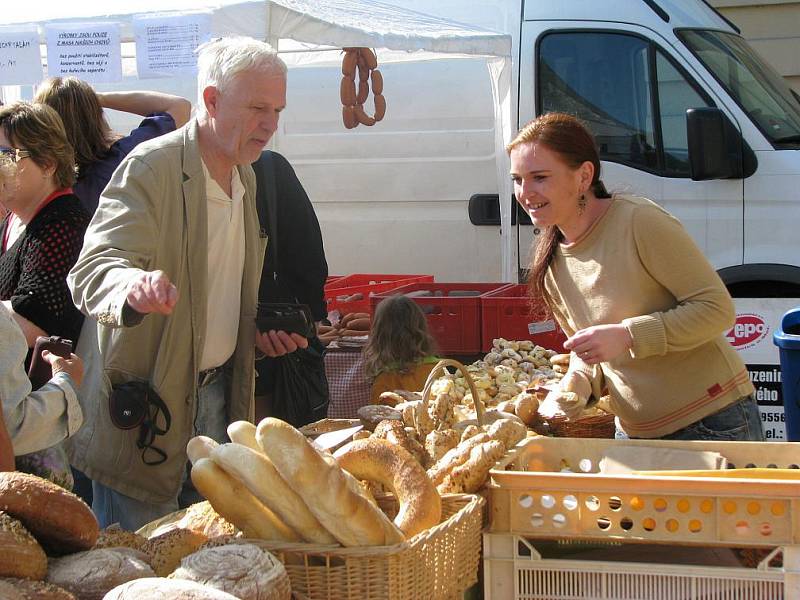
(364, 61)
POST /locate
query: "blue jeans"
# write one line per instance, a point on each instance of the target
(736, 422)
(111, 506)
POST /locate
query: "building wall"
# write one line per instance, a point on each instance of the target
(772, 27)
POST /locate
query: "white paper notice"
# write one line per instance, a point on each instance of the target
(165, 45)
(20, 62)
(87, 51)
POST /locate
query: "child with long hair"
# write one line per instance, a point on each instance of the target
(400, 352)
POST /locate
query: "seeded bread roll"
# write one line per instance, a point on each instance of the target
(58, 519)
(158, 588)
(20, 554)
(324, 487)
(27, 589)
(455, 457)
(167, 550)
(91, 574)
(115, 536)
(472, 474)
(244, 570)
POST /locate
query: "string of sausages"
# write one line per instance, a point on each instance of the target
(364, 62)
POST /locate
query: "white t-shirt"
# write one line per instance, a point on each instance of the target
(225, 269)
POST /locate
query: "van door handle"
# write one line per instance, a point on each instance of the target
(484, 209)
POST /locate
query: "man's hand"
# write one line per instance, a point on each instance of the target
(277, 343)
(152, 292)
(72, 366)
(600, 343)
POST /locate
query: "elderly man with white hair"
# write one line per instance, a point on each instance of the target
(170, 270)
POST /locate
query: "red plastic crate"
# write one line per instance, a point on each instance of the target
(509, 313)
(332, 278)
(351, 293)
(453, 320)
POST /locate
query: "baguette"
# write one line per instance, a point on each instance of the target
(257, 473)
(348, 515)
(244, 433)
(234, 502)
(200, 446)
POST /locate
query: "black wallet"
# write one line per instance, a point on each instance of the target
(286, 316)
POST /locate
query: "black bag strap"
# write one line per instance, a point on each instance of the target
(267, 203)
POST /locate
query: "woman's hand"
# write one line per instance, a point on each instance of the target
(600, 343)
(72, 366)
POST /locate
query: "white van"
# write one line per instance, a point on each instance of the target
(417, 192)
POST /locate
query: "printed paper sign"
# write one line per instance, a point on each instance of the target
(87, 51)
(756, 320)
(20, 62)
(165, 45)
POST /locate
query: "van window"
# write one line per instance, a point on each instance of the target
(630, 94)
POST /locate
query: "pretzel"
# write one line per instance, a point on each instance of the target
(364, 61)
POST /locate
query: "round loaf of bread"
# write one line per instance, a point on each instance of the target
(158, 588)
(91, 574)
(58, 519)
(26, 589)
(392, 466)
(167, 549)
(20, 554)
(244, 570)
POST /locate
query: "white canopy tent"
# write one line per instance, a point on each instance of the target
(332, 23)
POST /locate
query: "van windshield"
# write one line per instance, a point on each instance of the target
(759, 90)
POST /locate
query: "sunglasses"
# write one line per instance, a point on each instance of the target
(14, 154)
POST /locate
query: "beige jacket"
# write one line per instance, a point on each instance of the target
(152, 216)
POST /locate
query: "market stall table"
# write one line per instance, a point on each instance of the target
(349, 387)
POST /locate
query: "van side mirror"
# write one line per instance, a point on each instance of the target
(716, 148)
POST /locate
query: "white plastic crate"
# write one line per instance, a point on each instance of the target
(515, 570)
(550, 488)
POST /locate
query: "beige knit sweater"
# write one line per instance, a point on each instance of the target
(638, 266)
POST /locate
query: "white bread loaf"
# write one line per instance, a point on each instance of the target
(257, 473)
(244, 433)
(200, 446)
(234, 502)
(325, 487)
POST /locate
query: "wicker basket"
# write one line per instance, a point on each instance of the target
(439, 563)
(434, 374)
(594, 426)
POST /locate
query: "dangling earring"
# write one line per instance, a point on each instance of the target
(581, 204)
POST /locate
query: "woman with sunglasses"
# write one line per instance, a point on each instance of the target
(42, 233)
(40, 239)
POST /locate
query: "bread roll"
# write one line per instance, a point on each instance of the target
(27, 589)
(58, 519)
(509, 432)
(114, 536)
(202, 518)
(455, 457)
(472, 474)
(255, 471)
(243, 570)
(167, 549)
(392, 466)
(233, 501)
(393, 431)
(20, 554)
(157, 588)
(526, 406)
(244, 433)
(319, 480)
(92, 573)
(439, 441)
(200, 446)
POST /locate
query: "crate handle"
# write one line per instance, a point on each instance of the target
(440, 366)
(534, 553)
